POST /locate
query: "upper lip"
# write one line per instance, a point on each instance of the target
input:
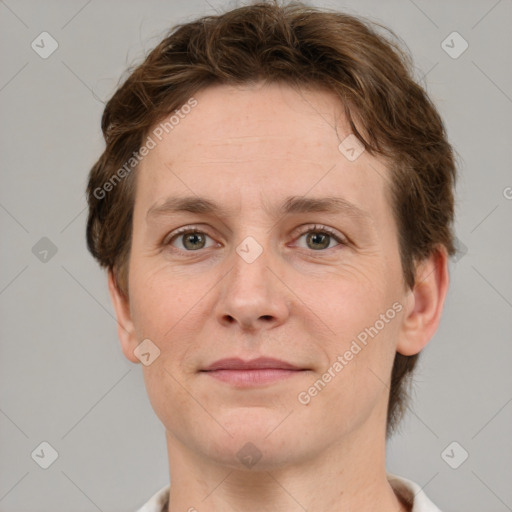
(253, 364)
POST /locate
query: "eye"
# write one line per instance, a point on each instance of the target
(188, 239)
(318, 238)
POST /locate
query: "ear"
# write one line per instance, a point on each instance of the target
(424, 303)
(125, 327)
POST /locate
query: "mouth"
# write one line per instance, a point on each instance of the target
(251, 373)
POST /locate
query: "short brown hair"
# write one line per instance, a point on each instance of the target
(301, 46)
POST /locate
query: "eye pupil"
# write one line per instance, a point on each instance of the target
(319, 238)
(191, 239)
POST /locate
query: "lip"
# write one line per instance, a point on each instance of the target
(260, 363)
(259, 371)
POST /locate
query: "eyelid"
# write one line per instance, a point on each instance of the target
(190, 228)
(339, 237)
(300, 231)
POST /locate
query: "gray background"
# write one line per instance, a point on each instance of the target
(63, 378)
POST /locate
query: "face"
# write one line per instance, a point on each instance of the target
(255, 236)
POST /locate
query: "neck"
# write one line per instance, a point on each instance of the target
(349, 475)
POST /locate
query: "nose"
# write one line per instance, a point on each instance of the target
(252, 295)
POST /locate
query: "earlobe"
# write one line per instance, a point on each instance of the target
(423, 314)
(125, 327)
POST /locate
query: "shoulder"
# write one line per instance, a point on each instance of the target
(412, 494)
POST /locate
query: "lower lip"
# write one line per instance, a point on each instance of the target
(252, 377)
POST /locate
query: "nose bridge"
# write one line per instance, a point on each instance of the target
(250, 263)
(251, 293)
(249, 275)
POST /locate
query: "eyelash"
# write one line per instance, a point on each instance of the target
(314, 228)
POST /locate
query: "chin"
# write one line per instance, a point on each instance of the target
(246, 454)
(258, 442)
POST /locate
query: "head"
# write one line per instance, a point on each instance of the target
(251, 110)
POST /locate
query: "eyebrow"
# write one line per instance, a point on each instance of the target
(293, 204)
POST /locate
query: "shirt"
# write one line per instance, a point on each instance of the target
(410, 491)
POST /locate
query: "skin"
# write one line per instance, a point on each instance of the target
(249, 149)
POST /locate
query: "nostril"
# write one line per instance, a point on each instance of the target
(266, 317)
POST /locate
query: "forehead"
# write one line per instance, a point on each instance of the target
(264, 121)
(271, 138)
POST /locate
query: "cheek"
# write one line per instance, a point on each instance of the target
(348, 302)
(171, 309)
(355, 384)
(164, 309)
(365, 320)
(165, 391)
(161, 302)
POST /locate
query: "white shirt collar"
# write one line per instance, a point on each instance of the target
(409, 490)
(412, 493)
